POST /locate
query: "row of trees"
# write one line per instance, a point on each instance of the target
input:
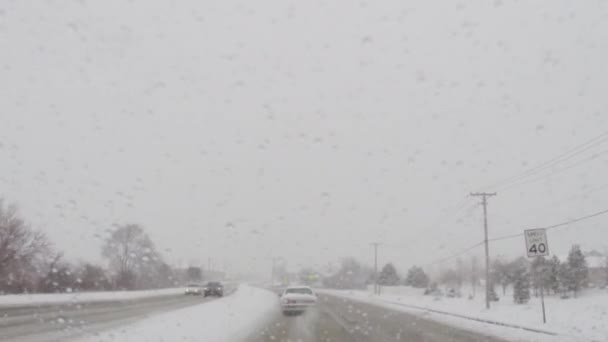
(353, 275)
(350, 275)
(554, 276)
(30, 263)
(416, 277)
(564, 278)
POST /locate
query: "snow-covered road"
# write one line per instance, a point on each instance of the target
(249, 314)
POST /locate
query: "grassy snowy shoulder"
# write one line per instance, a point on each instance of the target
(582, 319)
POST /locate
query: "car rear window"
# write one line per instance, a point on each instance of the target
(299, 290)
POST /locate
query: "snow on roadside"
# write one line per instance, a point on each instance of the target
(75, 297)
(227, 319)
(575, 319)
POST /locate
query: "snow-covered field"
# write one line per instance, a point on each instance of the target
(75, 297)
(576, 319)
(227, 319)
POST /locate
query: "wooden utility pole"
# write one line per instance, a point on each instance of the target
(484, 201)
(376, 289)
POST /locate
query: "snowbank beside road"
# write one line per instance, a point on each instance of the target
(581, 319)
(75, 297)
(227, 319)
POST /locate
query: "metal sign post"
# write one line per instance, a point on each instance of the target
(537, 247)
(542, 297)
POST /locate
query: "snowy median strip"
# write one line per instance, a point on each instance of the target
(230, 318)
(22, 300)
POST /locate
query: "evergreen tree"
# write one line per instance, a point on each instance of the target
(416, 277)
(606, 271)
(492, 294)
(501, 274)
(351, 275)
(565, 278)
(388, 276)
(474, 274)
(552, 274)
(578, 269)
(537, 271)
(521, 285)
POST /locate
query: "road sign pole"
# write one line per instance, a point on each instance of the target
(537, 246)
(542, 300)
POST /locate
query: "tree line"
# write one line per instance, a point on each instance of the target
(564, 278)
(556, 277)
(29, 263)
(354, 275)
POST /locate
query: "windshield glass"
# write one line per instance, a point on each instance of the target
(404, 170)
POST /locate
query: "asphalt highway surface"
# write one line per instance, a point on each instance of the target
(342, 320)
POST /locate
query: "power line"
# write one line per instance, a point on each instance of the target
(534, 180)
(565, 223)
(554, 226)
(586, 193)
(552, 162)
(556, 160)
(452, 256)
(460, 207)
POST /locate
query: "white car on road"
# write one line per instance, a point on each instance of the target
(296, 299)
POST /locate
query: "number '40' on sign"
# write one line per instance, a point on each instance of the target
(536, 242)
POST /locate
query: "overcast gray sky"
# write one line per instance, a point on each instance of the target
(304, 129)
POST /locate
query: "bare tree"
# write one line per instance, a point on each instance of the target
(21, 248)
(128, 250)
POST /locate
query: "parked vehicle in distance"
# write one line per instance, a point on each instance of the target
(453, 293)
(214, 288)
(194, 289)
(296, 299)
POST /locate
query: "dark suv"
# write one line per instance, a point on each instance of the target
(214, 288)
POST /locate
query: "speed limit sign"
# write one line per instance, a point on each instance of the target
(536, 242)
